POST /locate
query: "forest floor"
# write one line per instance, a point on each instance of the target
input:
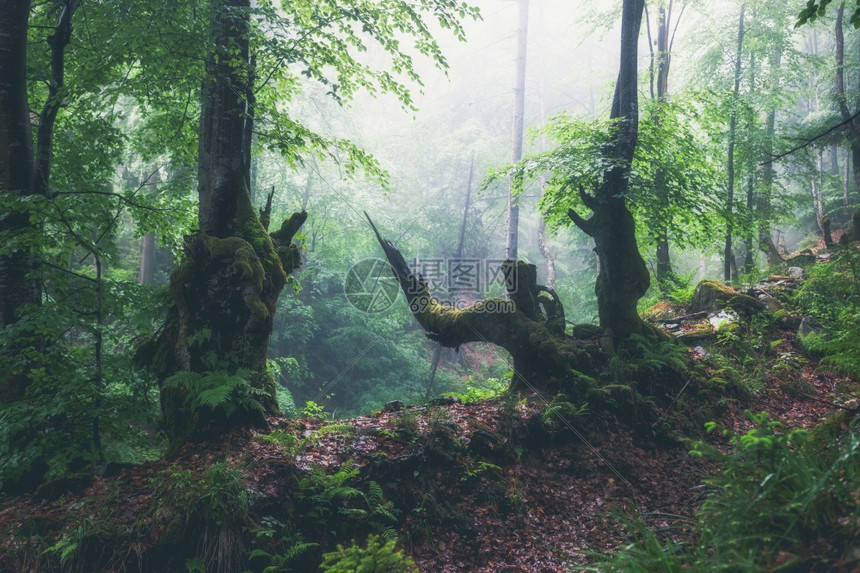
(512, 483)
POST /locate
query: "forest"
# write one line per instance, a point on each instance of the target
(429, 285)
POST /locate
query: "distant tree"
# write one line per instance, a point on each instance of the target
(661, 60)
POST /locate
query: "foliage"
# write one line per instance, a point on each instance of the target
(673, 144)
(218, 496)
(217, 390)
(289, 541)
(816, 9)
(475, 392)
(85, 401)
(376, 556)
(831, 295)
(560, 411)
(327, 498)
(774, 504)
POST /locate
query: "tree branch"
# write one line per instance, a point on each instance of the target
(809, 142)
(585, 226)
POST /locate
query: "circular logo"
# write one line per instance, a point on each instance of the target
(370, 286)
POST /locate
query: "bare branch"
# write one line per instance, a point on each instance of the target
(809, 142)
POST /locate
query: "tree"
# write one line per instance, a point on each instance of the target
(225, 290)
(661, 59)
(25, 170)
(517, 131)
(622, 277)
(530, 322)
(852, 119)
(212, 351)
(729, 263)
(815, 9)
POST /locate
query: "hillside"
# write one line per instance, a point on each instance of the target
(513, 483)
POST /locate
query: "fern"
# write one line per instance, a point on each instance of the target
(217, 389)
(375, 557)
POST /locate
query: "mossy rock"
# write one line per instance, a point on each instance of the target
(802, 259)
(700, 335)
(713, 296)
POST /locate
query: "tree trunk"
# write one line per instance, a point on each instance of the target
(728, 254)
(147, 259)
(765, 209)
(663, 268)
(542, 240)
(24, 172)
(817, 189)
(622, 277)
(529, 324)
(17, 286)
(842, 99)
(517, 133)
(16, 155)
(225, 291)
(845, 179)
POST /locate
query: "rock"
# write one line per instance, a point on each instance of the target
(854, 230)
(809, 327)
(723, 321)
(393, 406)
(789, 321)
(371, 430)
(701, 335)
(483, 442)
(444, 401)
(795, 272)
(586, 331)
(802, 259)
(713, 296)
(700, 353)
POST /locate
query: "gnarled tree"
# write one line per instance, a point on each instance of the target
(530, 322)
(622, 277)
(224, 292)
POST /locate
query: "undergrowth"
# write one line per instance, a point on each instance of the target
(776, 504)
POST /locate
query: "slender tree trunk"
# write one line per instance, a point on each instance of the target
(517, 134)
(749, 256)
(842, 99)
(147, 259)
(728, 253)
(749, 238)
(45, 134)
(542, 242)
(661, 59)
(765, 203)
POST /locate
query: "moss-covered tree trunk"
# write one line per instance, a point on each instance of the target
(225, 291)
(622, 277)
(529, 324)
